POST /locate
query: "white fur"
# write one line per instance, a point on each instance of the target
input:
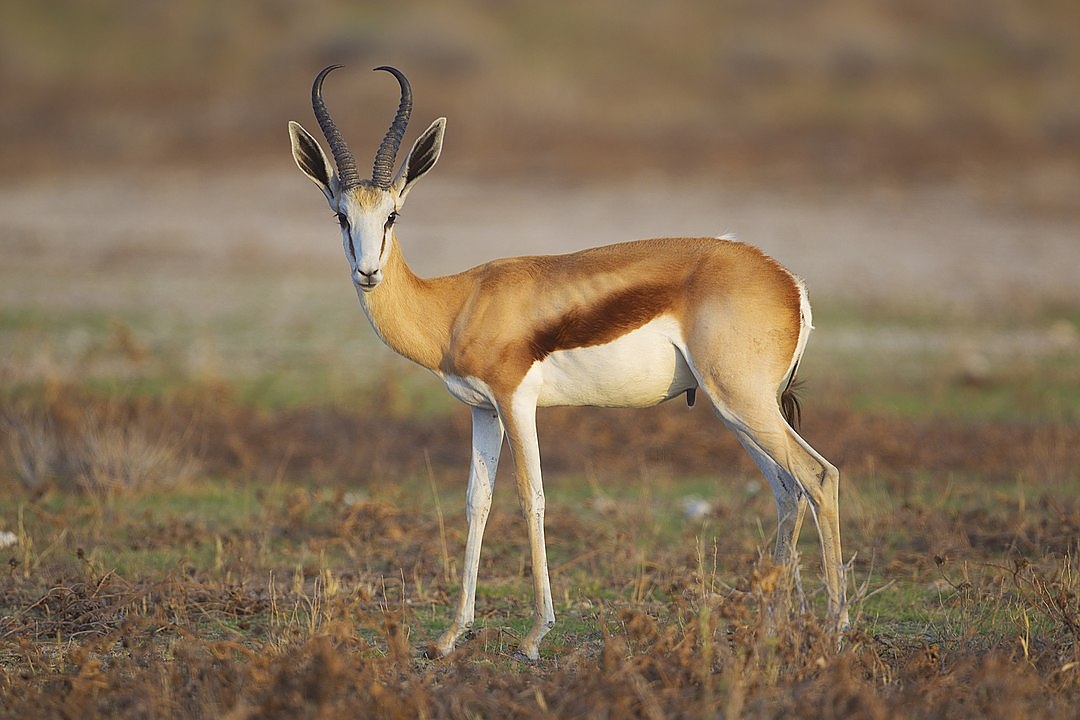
(471, 391)
(487, 445)
(806, 324)
(639, 369)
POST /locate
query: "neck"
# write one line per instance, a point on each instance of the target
(412, 315)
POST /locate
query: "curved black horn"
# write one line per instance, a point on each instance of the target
(383, 171)
(346, 163)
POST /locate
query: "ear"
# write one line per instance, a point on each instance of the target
(423, 156)
(311, 159)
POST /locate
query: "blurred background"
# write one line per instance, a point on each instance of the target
(912, 160)
(829, 90)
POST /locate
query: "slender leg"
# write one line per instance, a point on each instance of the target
(487, 434)
(786, 460)
(521, 432)
(798, 475)
(790, 511)
(823, 479)
(790, 500)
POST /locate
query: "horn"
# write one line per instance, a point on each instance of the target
(343, 157)
(383, 170)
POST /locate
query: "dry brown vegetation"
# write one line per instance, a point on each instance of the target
(317, 597)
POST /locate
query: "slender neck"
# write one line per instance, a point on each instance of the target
(413, 315)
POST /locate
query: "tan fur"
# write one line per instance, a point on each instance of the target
(493, 321)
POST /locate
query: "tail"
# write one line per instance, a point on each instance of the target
(789, 401)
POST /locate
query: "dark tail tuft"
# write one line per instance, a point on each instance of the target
(789, 402)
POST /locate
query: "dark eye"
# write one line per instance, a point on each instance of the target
(343, 220)
(391, 218)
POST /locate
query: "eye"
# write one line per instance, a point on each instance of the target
(343, 220)
(391, 218)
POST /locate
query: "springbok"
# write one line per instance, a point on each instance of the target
(626, 325)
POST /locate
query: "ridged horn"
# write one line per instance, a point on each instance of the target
(383, 171)
(343, 157)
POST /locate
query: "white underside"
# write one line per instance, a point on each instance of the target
(469, 390)
(639, 369)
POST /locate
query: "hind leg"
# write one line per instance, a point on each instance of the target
(798, 476)
(790, 499)
(791, 502)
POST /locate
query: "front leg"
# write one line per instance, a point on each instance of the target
(487, 438)
(521, 432)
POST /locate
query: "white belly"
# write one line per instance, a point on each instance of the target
(469, 390)
(639, 369)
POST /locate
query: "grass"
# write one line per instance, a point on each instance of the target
(266, 579)
(1016, 369)
(1019, 368)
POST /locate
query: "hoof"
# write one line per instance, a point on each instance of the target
(522, 657)
(434, 652)
(447, 643)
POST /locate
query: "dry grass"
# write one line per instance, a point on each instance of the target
(96, 448)
(173, 596)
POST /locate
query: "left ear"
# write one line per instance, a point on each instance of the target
(423, 156)
(311, 159)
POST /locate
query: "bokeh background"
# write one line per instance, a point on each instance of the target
(911, 160)
(981, 90)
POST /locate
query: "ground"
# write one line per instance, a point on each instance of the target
(225, 496)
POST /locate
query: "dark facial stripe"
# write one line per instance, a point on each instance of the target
(603, 322)
(350, 249)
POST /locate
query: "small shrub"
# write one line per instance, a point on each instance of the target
(92, 449)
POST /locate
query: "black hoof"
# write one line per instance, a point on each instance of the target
(522, 657)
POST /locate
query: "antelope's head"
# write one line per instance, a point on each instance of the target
(365, 209)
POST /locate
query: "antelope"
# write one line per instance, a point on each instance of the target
(625, 325)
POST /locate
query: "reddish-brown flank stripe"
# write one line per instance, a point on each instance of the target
(600, 323)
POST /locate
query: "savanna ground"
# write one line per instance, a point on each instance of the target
(222, 498)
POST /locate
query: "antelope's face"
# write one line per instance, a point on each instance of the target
(366, 216)
(365, 209)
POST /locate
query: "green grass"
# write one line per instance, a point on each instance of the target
(1014, 368)
(904, 364)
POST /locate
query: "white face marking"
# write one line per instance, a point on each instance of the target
(639, 369)
(366, 236)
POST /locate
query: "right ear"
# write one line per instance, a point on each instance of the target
(423, 156)
(311, 159)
